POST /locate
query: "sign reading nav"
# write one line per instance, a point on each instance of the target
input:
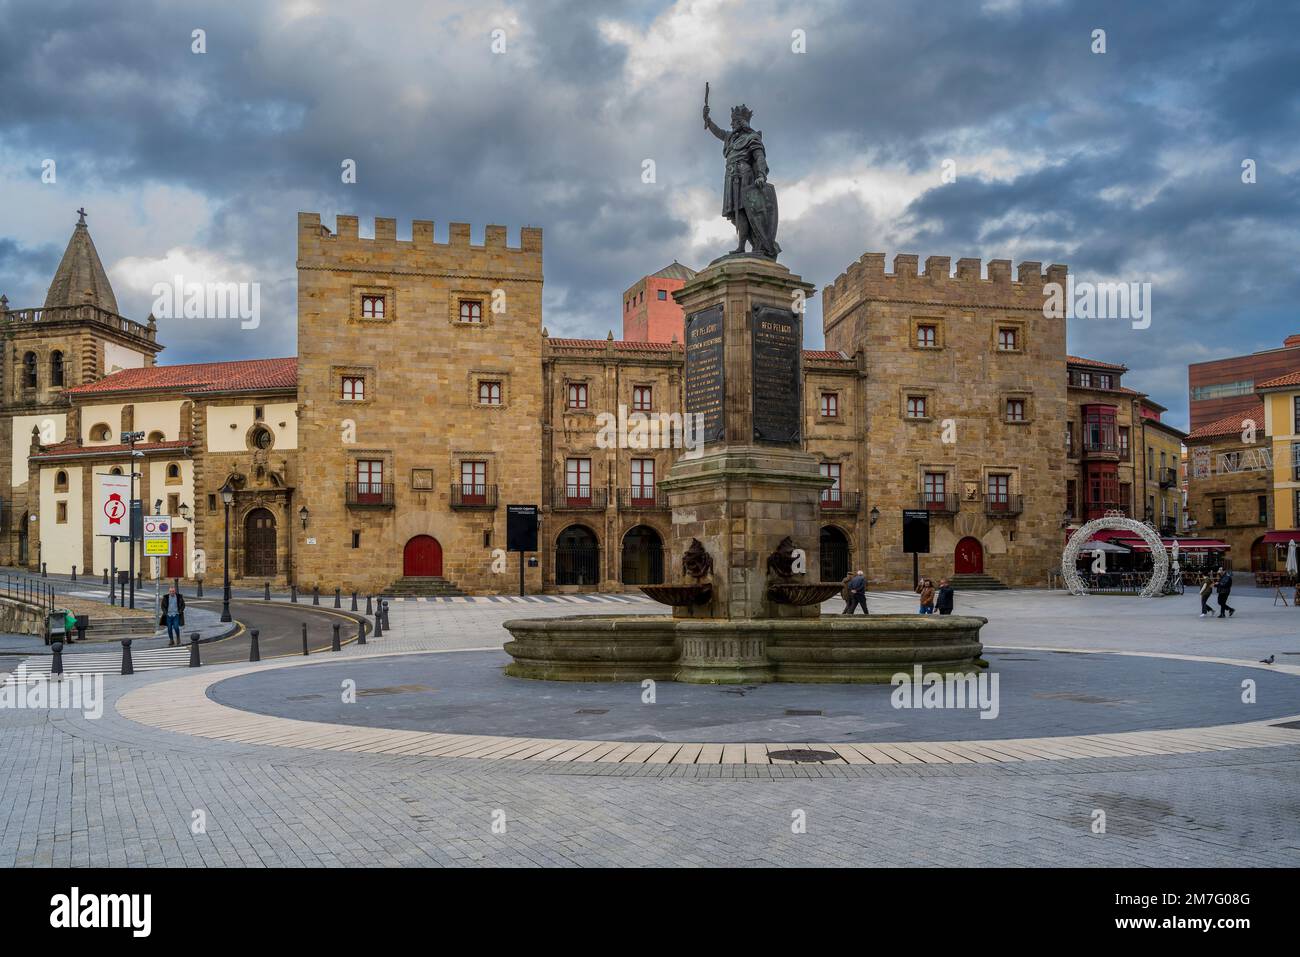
(157, 535)
(704, 364)
(777, 337)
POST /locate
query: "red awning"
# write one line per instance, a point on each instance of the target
(1184, 544)
(1282, 537)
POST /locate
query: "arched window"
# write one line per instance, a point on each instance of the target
(100, 432)
(115, 470)
(29, 370)
(173, 470)
(156, 436)
(60, 481)
(56, 368)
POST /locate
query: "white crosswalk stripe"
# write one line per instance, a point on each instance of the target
(110, 662)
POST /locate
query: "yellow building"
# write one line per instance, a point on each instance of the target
(1281, 398)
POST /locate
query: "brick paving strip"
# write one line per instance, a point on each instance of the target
(182, 705)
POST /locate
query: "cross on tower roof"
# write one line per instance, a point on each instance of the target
(81, 213)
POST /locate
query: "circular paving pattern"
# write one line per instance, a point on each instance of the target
(1038, 693)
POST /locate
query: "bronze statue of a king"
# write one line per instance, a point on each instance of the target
(748, 199)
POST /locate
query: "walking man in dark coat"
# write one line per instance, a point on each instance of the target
(1224, 588)
(857, 593)
(943, 598)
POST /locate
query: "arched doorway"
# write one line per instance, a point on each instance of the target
(834, 545)
(259, 544)
(968, 559)
(422, 557)
(577, 557)
(643, 557)
(1259, 555)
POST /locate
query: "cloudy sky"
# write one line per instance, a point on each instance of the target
(1126, 165)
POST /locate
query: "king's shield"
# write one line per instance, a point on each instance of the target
(760, 207)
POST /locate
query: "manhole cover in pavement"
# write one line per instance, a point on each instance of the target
(592, 711)
(796, 713)
(395, 689)
(803, 755)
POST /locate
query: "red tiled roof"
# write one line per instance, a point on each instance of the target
(1076, 360)
(70, 447)
(1228, 424)
(823, 354)
(1291, 378)
(243, 376)
(622, 344)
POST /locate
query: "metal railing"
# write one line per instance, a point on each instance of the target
(472, 495)
(838, 500)
(1003, 505)
(641, 497)
(369, 494)
(1168, 477)
(30, 591)
(940, 504)
(580, 497)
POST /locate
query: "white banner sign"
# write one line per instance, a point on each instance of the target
(112, 504)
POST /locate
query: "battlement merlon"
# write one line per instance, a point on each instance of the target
(866, 279)
(315, 240)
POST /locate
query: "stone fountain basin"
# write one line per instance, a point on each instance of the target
(679, 595)
(834, 649)
(803, 594)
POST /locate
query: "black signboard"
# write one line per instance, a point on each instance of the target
(777, 337)
(704, 362)
(916, 531)
(521, 528)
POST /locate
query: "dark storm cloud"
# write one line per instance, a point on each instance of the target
(1123, 165)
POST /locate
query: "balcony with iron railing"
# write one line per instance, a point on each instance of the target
(642, 497)
(579, 498)
(1168, 477)
(369, 494)
(940, 504)
(1002, 506)
(1100, 448)
(473, 496)
(839, 501)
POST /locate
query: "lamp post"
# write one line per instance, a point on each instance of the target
(129, 439)
(227, 498)
(303, 515)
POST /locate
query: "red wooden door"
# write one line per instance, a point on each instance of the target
(176, 560)
(422, 557)
(969, 557)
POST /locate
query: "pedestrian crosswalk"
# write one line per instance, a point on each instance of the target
(530, 599)
(94, 662)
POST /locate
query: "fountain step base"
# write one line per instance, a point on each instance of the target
(870, 649)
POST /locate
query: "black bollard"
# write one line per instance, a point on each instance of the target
(254, 652)
(105, 576)
(384, 604)
(369, 609)
(361, 633)
(379, 624)
(56, 666)
(337, 603)
(315, 594)
(354, 601)
(293, 594)
(43, 572)
(336, 645)
(304, 638)
(198, 593)
(266, 595)
(139, 579)
(128, 668)
(194, 649)
(74, 573)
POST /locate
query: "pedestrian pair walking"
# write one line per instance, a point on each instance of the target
(854, 593)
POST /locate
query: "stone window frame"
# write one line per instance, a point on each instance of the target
(1018, 326)
(939, 338)
(487, 456)
(253, 430)
(632, 406)
(368, 373)
(1023, 395)
(479, 376)
(108, 436)
(947, 469)
(918, 392)
(61, 512)
(1013, 480)
(838, 394)
(178, 478)
(369, 455)
(481, 294)
(416, 480)
(61, 486)
(386, 290)
(582, 380)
